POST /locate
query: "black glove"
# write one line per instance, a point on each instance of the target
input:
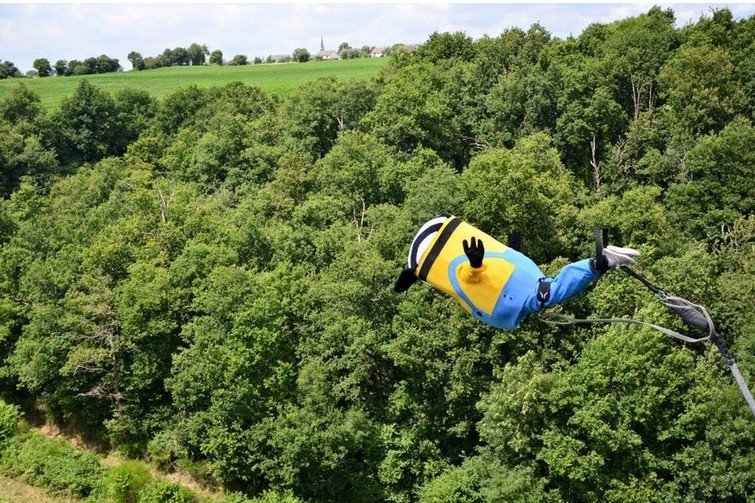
(474, 253)
(600, 264)
(613, 256)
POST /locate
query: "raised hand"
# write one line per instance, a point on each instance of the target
(475, 252)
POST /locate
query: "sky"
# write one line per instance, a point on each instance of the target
(79, 31)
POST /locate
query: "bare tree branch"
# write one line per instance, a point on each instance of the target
(597, 176)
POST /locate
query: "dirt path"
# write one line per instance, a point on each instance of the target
(15, 491)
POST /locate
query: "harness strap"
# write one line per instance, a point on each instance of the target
(543, 292)
(598, 242)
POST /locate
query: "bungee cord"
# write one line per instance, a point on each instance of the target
(692, 314)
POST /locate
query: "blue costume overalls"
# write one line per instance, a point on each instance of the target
(519, 295)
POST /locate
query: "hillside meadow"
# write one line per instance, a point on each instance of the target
(275, 79)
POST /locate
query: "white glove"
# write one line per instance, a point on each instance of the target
(619, 256)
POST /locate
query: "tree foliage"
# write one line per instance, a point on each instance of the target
(42, 66)
(207, 280)
(238, 60)
(301, 55)
(90, 66)
(137, 61)
(216, 57)
(8, 70)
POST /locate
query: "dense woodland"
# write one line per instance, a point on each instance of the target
(206, 281)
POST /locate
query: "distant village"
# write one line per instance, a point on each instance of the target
(344, 51)
(195, 54)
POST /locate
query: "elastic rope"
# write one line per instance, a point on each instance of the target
(672, 301)
(631, 272)
(561, 319)
(675, 304)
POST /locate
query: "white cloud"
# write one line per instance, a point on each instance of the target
(78, 31)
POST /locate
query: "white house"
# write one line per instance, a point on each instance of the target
(326, 55)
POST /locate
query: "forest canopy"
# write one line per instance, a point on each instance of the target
(208, 279)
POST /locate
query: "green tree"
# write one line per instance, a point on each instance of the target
(179, 108)
(250, 354)
(635, 51)
(23, 155)
(716, 190)
(413, 110)
(301, 55)
(216, 57)
(198, 54)
(88, 124)
(61, 68)
(700, 90)
(8, 70)
(717, 29)
(43, 68)
(135, 110)
(360, 169)
(176, 57)
(447, 46)
(591, 126)
(316, 113)
(349, 53)
(150, 63)
(137, 61)
(76, 67)
(27, 139)
(519, 104)
(238, 60)
(22, 104)
(744, 62)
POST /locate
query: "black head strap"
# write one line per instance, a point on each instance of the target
(418, 240)
(451, 225)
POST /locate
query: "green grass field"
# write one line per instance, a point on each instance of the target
(279, 79)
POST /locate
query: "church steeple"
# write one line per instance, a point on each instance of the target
(322, 45)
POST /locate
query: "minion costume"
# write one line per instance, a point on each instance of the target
(496, 283)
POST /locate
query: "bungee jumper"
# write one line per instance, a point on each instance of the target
(500, 285)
